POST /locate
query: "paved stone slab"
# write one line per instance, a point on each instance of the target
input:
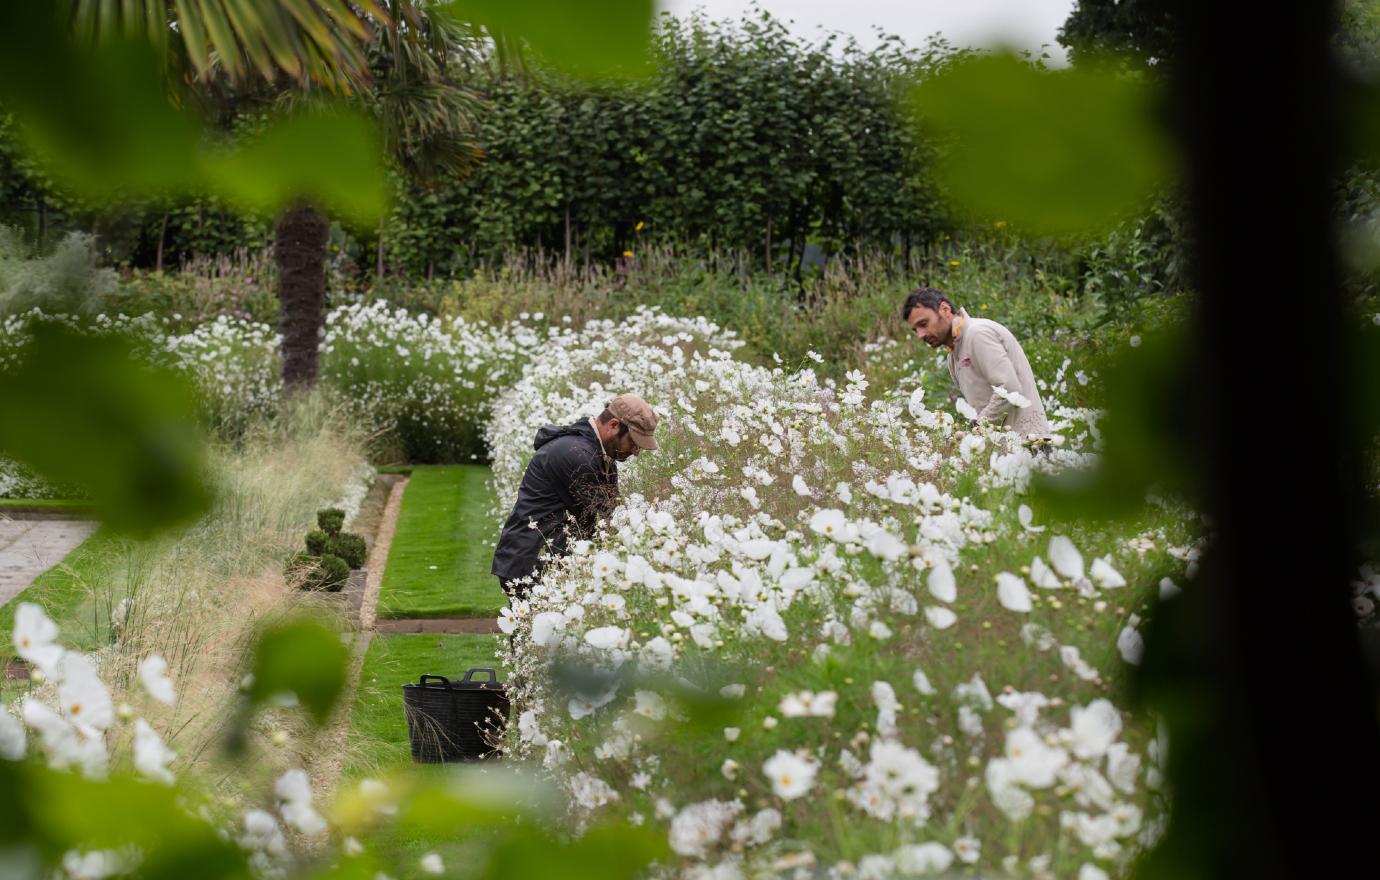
(30, 547)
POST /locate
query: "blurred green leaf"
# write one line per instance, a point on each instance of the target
(64, 811)
(82, 410)
(472, 797)
(331, 157)
(302, 658)
(596, 39)
(1065, 151)
(1147, 437)
(605, 852)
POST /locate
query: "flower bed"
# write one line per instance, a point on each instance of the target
(823, 631)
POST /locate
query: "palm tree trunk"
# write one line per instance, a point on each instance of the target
(299, 248)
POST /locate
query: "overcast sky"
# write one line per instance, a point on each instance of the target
(1025, 24)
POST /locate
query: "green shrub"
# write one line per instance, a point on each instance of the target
(351, 548)
(66, 281)
(329, 573)
(331, 520)
(317, 542)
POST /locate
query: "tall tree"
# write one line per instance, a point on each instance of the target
(1142, 31)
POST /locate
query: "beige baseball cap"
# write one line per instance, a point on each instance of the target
(634, 412)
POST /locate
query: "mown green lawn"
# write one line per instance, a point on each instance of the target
(438, 564)
(63, 590)
(378, 730)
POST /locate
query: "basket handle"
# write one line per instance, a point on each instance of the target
(493, 675)
(445, 682)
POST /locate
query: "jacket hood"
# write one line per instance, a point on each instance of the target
(582, 428)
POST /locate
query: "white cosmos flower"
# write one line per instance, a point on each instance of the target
(940, 617)
(84, 698)
(431, 863)
(1131, 645)
(798, 484)
(547, 628)
(98, 864)
(699, 827)
(885, 545)
(293, 789)
(968, 849)
(916, 405)
(1104, 575)
(832, 523)
(151, 756)
(1012, 592)
(1123, 767)
(791, 776)
(808, 704)
(1042, 576)
(1169, 589)
(923, 858)
(1091, 872)
(1094, 728)
(608, 638)
(262, 833)
(13, 742)
(153, 674)
(965, 409)
(1026, 517)
(65, 745)
(1015, 398)
(1014, 802)
(1066, 558)
(650, 705)
(766, 620)
(1033, 763)
(941, 582)
(922, 683)
(34, 634)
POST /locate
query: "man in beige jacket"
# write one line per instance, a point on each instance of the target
(985, 361)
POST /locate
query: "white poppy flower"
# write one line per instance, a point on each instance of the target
(1104, 575)
(791, 776)
(151, 756)
(941, 582)
(84, 698)
(153, 674)
(1066, 558)
(1026, 517)
(940, 617)
(34, 634)
(1012, 592)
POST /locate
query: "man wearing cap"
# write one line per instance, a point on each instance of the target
(571, 481)
(985, 360)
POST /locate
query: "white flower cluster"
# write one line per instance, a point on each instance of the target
(787, 526)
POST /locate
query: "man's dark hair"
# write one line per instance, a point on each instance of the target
(603, 419)
(926, 297)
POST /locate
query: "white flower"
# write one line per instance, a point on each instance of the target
(1094, 728)
(1012, 592)
(1015, 398)
(84, 698)
(431, 863)
(352, 847)
(965, 409)
(968, 849)
(98, 864)
(650, 705)
(1105, 576)
(1169, 589)
(1091, 872)
(13, 742)
(791, 776)
(832, 523)
(1026, 517)
(941, 582)
(1066, 558)
(1042, 576)
(151, 756)
(608, 638)
(293, 789)
(1131, 645)
(916, 404)
(698, 827)
(807, 704)
(798, 484)
(153, 674)
(922, 683)
(262, 833)
(1032, 763)
(879, 631)
(732, 733)
(547, 628)
(1014, 802)
(1123, 767)
(885, 545)
(940, 617)
(729, 769)
(34, 633)
(923, 858)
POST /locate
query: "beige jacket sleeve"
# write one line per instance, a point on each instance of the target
(994, 365)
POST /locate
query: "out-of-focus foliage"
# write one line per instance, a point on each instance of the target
(67, 281)
(1064, 152)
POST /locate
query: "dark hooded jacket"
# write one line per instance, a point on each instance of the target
(569, 483)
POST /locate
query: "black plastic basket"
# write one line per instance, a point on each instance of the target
(455, 721)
